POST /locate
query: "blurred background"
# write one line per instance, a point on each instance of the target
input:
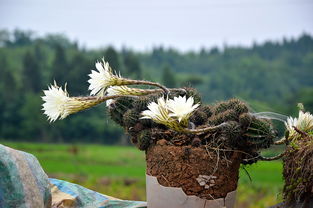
(260, 51)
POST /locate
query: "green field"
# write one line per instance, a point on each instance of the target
(120, 171)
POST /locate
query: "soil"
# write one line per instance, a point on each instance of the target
(180, 166)
(298, 171)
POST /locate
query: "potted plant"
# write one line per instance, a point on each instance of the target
(193, 151)
(298, 162)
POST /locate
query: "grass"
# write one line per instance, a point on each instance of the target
(120, 171)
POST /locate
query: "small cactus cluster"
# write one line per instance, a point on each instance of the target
(243, 131)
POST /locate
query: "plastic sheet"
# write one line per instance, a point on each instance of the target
(159, 196)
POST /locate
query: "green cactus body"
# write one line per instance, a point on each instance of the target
(245, 120)
(144, 138)
(199, 117)
(207, 110)
(118, 107)
(228, 115)
(130, 117)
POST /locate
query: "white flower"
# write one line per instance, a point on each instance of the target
(181, 108)
(54, 101)
(172, 113)
(58, 105)
(103, 78)
(304, 123)
(158, 112)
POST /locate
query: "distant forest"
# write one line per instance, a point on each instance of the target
(272, 76)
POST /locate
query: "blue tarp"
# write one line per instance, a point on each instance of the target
(24, 184)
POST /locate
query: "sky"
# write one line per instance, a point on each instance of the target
(143, 24)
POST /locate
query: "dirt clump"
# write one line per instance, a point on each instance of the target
(198, 171)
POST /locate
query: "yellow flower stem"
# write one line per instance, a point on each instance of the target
(151, 91)
(142, 82)
(91, 101)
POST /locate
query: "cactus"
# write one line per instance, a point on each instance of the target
(207, 110)
(240, 108)
(130, 117)
(245, 120)
(232, 132)
(199, 117)
(155, 97)
(235, 104)
(148, 123)
(116, 115)
(220, 107)
(118, 107)
(144, 139)
(259, 134)
(141, 103)
(228, 115)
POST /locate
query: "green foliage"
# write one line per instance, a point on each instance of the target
(192, 80)
(112, 56)
(60, 66)
(31, 73)
(168, 78)
(132, 65)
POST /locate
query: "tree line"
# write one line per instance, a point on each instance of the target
(272, 76)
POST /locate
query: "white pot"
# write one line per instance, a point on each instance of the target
(159, 196)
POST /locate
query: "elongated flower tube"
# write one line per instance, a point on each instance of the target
(58, 104)
(304, 123)
(124, 90)
(104, 78)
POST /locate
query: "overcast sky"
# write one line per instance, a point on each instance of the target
(141, 24)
